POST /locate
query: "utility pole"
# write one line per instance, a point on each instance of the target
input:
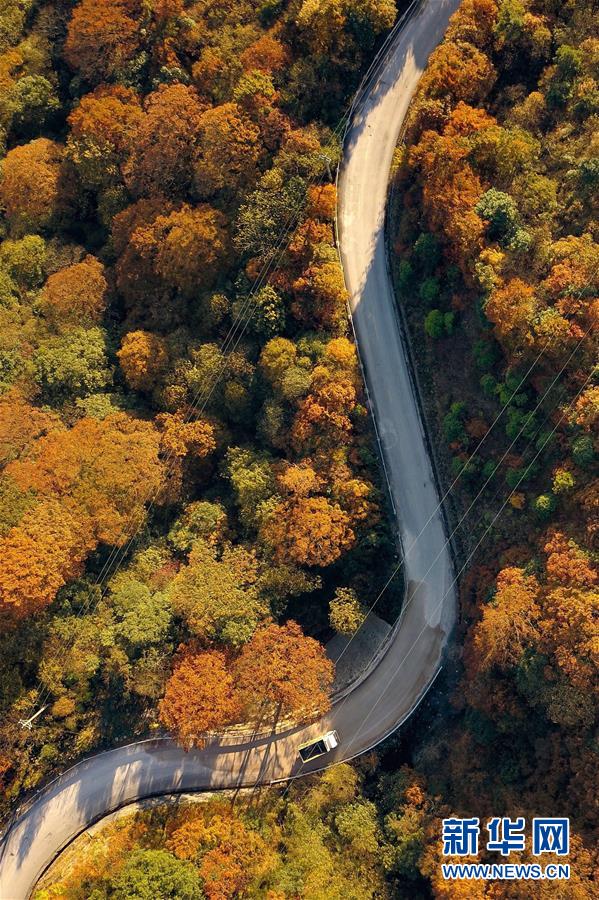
(28, 723)
(328, 162)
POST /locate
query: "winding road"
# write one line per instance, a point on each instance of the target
(382, 701)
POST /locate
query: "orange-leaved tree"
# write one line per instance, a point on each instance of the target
(102, 37)
(106, 470)
(166, 141)
(310, 531)
(39, 555)
(76, 295)
(31, 188)
(108, 119)
(143, 357)
(281, 670)
(199, 696)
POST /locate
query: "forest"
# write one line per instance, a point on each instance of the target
(496, 264)
(189, 484)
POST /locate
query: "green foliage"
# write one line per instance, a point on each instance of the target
(25, 260)
(438, 324)
(429, 291)
(453, 424)
(466, 468)
(583, 451)
(201, 519)
(563, 482)
(427, 254)
(488, 385)
(358, 829)
(518, 477)
(501, 213)
(154, 874)
(259, 219)
(142, 617)
(268, 312)
(252, 480)
(568, 63)
(405, 277)
(216, 594)
(544, 506)
(73, 364)
(33, 101)
(346, 613)
(486, 354)
(520, 424)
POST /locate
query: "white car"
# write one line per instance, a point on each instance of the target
(319, 747)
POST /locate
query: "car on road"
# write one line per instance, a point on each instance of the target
(319, 747)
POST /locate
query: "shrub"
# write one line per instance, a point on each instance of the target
(583, 451)
(429, 291)
(544, 506)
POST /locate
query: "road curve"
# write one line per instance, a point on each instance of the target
(381, 702)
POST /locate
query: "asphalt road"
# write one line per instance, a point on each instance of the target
(380, 703)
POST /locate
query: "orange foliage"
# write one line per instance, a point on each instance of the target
(21, 424)
(321, 296)
(459, 71)
(143, 357)
(309, 531)
(473, 22)
(306, 237)
(39, 555)
(357, 498)
(451, 189)
(508, 623)
(76, 295)
(299, 480)
(199, 697)
(30, 185)
(102, 37)
(184, 248)
(165, 143)
(570, 632)
(231, 855)
(566, 563)
(181, 251)
(180, 437)
(322, 202)
(106, 470)
(229, 867)
(267, 54)
(586, 409)
(511, 309)
(139, 214)
(228, 150)
(323, 419)
(282, 669)
(110, 115)
(191, 245)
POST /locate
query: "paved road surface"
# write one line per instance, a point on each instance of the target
(387, 697)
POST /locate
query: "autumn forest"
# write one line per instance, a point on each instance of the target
(191, 500)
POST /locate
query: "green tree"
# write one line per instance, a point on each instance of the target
(501, 214)
(33, 101)
(434, 324)
(25, 260)
(156, 875)
(253, 482)
(216, 593)
(201, 519)
(358, 828)
(73, 364)
(142, 617)
(346, 613)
